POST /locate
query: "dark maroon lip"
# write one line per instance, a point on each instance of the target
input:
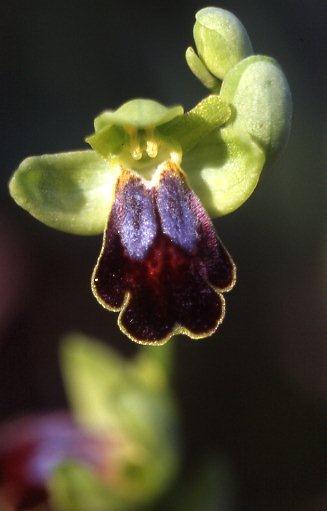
(32, 447)
(161, 264)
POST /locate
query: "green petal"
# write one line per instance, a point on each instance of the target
(260, 95)
(139, 113)
(199, 69)
(71, 192)
(108, 141)
(190, 128)
(224, 170)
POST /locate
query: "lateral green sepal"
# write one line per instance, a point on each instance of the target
(71, 192)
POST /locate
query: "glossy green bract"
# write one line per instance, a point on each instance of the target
(221, 40)
(71, 192)
(261, 100)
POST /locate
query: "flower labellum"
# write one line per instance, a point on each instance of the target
(161, 264)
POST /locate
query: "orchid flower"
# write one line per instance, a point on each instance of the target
(116, 448)
(156, 176)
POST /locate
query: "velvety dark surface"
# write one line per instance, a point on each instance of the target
(161, 249)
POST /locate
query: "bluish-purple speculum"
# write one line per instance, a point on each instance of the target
(161, 264)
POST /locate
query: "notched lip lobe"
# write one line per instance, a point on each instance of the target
(176, 330)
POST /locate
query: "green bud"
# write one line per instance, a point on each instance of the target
(259, 92)
(221, 40)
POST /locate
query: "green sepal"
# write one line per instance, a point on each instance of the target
(138, 113)
(261, 100)
(71, 192)
(224, 169)
(188, 129)
(199, 69)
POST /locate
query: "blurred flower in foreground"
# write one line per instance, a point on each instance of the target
(31, 448)
(116, 452)
(156, 174)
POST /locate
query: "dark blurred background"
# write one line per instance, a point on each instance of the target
(254, 394)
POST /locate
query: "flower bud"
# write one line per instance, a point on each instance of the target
(259, 92)
(221, 40)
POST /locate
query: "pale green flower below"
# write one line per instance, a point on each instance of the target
(131, 402)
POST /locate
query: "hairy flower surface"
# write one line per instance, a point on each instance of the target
(154, 176)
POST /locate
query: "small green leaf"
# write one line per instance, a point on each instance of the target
(190, 128)
(71, 192)
(199, 69)
(138, 113)
(224, 170)
(260, 96)
(221, 40)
